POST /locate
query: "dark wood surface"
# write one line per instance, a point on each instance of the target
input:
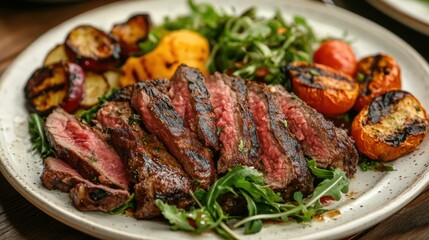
(23, 22)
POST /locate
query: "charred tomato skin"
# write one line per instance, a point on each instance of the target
(392, 125)
(376, 75)
(338, 55)
(92, 49)
(327, 90)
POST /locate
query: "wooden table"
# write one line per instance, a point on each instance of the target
(21, 23)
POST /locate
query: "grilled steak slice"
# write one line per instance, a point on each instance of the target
(57, 174)
(161, 119)
(284, 166)
(84, 150)
(191, 100)
(237, 130)
(320, 139)
(158, 174)
(92, 197)
(85, 195)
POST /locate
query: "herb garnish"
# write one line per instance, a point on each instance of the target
(368, 164)
(38, 136)
(262, 202)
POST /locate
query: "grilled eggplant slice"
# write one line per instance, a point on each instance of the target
(130, 33)
(59, 84)
(92, 48)
(391, 126)
(376, 75)
(329, 91)
(57, 54)
(95, 86)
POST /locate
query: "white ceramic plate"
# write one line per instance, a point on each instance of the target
(372, 198)
(413, 13)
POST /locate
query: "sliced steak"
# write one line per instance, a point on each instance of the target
(84, 150)
(161, 119)
(57, 174)
(284, 166)
(85, 195)
(237, 130)
(158, 174)
(321, 140)
(191, 100)
(92, 197)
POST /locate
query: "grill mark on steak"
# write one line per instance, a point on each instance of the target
(284, 166)
(91, 197)
(125, 93)
(191, 100)
(161, 119)
(84, 150)
(158, 174)
(237, 130)
(320, 139)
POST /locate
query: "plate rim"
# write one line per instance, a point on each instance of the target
(58, 214)
(401, 16)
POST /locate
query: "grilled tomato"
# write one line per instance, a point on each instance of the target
(329, 91)
(338, 55)
(92, 48)
(376, 75)
(130, 33)
(392, 125)
(59, 84)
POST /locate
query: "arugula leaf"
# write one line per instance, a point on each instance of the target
(305, 209)
(38, 136)
(262, 202)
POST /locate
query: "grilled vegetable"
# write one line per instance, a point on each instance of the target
(95, 86)
(92, 49)
(391, 126)
(112, 77)
(177, 47)
(329, 91)
(130, 33)
(338, 55)
(53, 85)
(57, 54)
(376, 75)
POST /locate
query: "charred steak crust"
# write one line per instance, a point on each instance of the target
(84, 150)
(92, 197)
(59, 175)
(125, 93)
(161, 119)
(158, 174)
(237, 132)
(191, 99)
(283, 162)
(321, 140)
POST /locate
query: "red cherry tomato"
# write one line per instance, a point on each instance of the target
(338, 55)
